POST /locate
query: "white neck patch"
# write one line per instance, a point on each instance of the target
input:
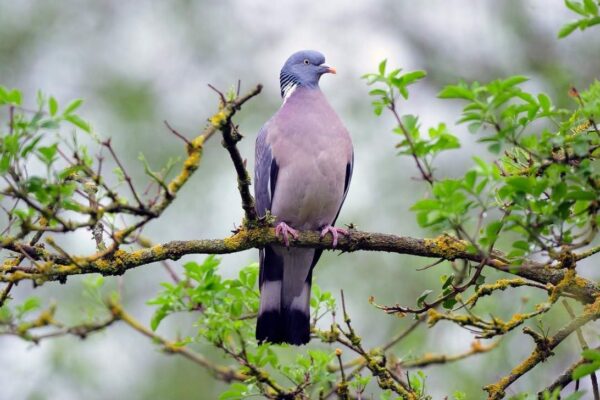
(288, 90)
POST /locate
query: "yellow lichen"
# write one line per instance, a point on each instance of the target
(158, 251)
(218, 119)
(569, 279)
(198, 142)
(593, 308)
(446, 246)
(582, 127)
(515, 320)
(189, 165)
(236, 241)
(501, 284)
(527, 364)
(433, 317)
(580, 282)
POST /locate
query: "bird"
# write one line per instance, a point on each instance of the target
(303, 167)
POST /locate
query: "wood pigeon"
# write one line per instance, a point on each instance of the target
(304, 160)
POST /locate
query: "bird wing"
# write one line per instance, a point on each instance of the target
(347, 180)
(265, 173)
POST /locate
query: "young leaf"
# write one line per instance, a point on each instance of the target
(423, 296)
(74, 105)
(52, 106)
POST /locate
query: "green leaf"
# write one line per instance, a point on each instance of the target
(413, 76)
(521, 244)
(567, 29)
(520, 183)
(403, 91)
(585, 369)
(74, 105)
(591, 354)
(30, 304)
(236, 391)
(52, 106)
(378, 92)
(4, 163)
(576, 7)
(449, 303)
(47, 154)
(493, 229)
(3, 95)
(11, 144)
(590, 7)
(574, 396)
(581, 195)
(514, 80)
(14, 97)
(456, 92)
(423, 296)
(447, 280)
(158, 316)
(544, 102)
(470, 178)
(80, 123)
(382, 67)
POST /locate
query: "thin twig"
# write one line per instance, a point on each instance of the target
(179, 135)
(223, 373)
(126, 176)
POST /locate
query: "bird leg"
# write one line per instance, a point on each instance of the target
(335, 232)
(282, 230)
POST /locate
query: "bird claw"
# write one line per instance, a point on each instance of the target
(335, 232)
(282, 230)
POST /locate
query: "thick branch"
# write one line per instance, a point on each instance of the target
(58, 267)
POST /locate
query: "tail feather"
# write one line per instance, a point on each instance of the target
(285, 282)
(297, 316)
(269, 326)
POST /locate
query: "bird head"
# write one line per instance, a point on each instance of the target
(303, 68)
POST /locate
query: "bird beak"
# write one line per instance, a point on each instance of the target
(325, 69)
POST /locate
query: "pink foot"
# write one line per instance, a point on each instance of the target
(335, 232)
(282, 230)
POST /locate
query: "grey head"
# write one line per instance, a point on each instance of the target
(303, 68)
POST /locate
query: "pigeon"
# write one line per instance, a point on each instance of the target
(304, 161)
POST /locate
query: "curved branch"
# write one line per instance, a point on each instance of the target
(221, 372)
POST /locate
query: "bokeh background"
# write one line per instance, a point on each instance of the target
(139, 63)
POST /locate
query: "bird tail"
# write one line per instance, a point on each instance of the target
(285, 282)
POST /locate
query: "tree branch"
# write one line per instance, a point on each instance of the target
(231, 137)
(223, 373)
(565, 378)
(58, 267)
(543, 350)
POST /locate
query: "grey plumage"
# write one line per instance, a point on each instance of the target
(303, 168)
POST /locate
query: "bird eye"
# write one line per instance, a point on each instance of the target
(306, 61)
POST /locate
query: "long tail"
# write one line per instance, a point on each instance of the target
(285, 281)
